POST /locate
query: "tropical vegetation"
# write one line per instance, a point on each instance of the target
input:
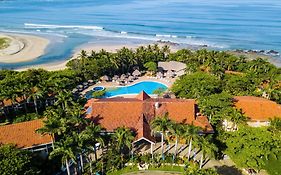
(212, 78)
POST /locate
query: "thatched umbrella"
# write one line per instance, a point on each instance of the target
(131, 78)
(160, 75)
(136, 73)
(105, 78)
(123, 77)
(115, 77)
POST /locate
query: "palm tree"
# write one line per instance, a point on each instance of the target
(177, 130)
(207, 148)
(191, 134)
(35, 94)
(162, 124)
(64, 98)
(65, 149)
(123, 138)
(90, 137)
(54, 124)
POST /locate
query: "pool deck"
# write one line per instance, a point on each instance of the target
(166, 81)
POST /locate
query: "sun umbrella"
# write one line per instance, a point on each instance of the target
(136, 73)
(105, 78)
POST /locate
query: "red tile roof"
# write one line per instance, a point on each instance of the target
(23, 134)
(112, 113)
(256, 108)
(143, 130)
(142, 96)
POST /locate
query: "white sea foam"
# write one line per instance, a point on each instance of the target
(102, 32)
(49, 26)
(165, 36)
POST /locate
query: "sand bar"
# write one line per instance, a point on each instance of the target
(22, 48)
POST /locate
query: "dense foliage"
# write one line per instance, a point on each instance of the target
(16, 161)
(250, 147)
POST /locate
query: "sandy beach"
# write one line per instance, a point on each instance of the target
(22, 48)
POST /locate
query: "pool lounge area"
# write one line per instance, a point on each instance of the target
(148, 86)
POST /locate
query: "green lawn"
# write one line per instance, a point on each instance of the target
(4, 42)
(162, 168)
(273, 165)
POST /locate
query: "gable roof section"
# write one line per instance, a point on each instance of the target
(24, 135)
(112, 113)
(143, 130)
(142, 96)
(257, 108)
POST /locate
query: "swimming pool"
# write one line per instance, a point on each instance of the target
(147, 86)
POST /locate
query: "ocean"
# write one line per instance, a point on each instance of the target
(219, 24)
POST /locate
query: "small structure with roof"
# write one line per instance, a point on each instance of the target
(258, 110)
(23, 135)
(177, 68)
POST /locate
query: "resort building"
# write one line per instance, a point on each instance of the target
(137, 113)
(257, 110)
(23, 135)
(172, 68)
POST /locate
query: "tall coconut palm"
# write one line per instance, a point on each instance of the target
(54, 124)
(64, 98)
(123, 138)
(191, 134)
(35, 94)
(89, 138)
(65, 149)
(176, 130)
(162, 124)
(207, 148)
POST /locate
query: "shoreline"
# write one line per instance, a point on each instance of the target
(22, 48)
(55, 66)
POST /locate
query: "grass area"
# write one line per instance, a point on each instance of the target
(4, 43)
(128, 169)
(134, 170)
(168, 168)
(273, 165)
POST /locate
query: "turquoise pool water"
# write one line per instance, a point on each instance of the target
(147, 86)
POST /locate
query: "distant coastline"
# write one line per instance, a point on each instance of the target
(22, 48)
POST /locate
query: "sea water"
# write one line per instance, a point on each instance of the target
(220, 24)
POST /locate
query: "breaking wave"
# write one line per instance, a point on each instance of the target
(104, 32)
